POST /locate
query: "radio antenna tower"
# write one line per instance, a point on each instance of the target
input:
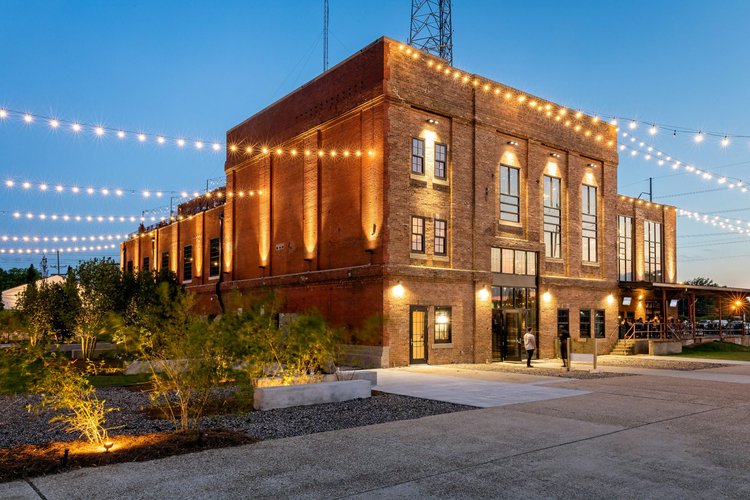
(325, 35)
(431, 27)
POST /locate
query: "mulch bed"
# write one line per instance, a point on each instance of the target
(35, 460)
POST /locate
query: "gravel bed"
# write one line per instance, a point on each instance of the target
(539, 370)
(18, 426)
(664, 364)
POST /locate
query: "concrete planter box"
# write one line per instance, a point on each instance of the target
(269, 398)
(662, 347)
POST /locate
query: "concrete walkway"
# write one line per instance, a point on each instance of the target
(624, 437)
(464, 389)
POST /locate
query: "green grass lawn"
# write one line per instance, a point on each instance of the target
(716, 350)
(100, 381)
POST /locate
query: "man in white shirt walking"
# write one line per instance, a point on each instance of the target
(529, 342)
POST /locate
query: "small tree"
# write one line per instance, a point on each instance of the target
(99, 290)
(66, 390)
(185, 362)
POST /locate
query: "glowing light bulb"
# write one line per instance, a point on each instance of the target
(632, 125)
(120, 134)
(54, 123)
(142, 137)
(76, 127)
(215, 147)
(99, 131)
(699, 137)
(181, 142)
(160, 140)
(725, 141)
(3, 113)
(9, 183)
(199, 145)
(28, 118)
(653, 130)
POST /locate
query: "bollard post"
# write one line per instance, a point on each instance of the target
(595, 341)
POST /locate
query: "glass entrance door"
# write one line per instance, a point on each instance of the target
(418, 334)
(514, 327)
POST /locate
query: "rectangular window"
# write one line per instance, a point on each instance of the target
(417, 156)
(520, 262)
(146, 263)
(441, 160)
(130, 266)
(441, 237)
(652, 251)
(165, 260)
(508, 261)
(187, 263)
(584, 324)
(588, 223)
(531, 263)
(214, 254)
(417, 234)
(552, 218)
(442, 325)
(510, 200)
(563, 321)
(625, 248)
(599, 324)
(495, 260)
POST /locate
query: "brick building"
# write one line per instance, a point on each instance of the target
(458, 209)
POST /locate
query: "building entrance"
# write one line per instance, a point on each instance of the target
(509, 321)
(417, 334)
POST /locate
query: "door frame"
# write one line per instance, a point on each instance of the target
(412, 360)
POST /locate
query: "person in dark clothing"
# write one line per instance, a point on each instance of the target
(564, 336)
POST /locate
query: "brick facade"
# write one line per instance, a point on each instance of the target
(327, 219)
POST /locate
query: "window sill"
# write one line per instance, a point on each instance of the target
(422, 256)
(591, 264)
(441, 182)
(442, 345)
(213, 278)
(509, 223)
(555, 260)
(441, 258)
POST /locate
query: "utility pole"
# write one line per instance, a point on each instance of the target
(325, 35)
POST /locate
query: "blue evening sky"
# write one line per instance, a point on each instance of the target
(196, 68)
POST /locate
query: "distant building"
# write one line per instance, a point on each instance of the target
(11, 295)
(460, 210)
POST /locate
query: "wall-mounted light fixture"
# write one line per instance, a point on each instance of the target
(592, 165)
(555, 155)
(398, 290)
(432, 122)
(547, 297)
(513, 143)
(483, 293)
(610, 299)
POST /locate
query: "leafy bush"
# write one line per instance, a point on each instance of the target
(66, 390)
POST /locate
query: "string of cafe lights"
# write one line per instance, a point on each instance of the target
(46, 187)
(102, 131)
(64, 239)
(636, 148)
(69, 249)
(80, 218)
(563, 114)
(142, 137)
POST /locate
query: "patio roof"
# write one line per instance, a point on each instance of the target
(680, 287)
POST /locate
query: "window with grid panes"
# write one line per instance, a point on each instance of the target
(584, 323)
(187, 263)
(552, 218)
(417, 156)
(441, 237)
(510, 200)
(442, 325)
(417, 234)
(588, 223)
(441, 161)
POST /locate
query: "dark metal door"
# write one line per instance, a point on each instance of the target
(499, 340)
(418, 334)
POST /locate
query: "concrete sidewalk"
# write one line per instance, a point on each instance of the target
(462, 388)
(628, 437)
